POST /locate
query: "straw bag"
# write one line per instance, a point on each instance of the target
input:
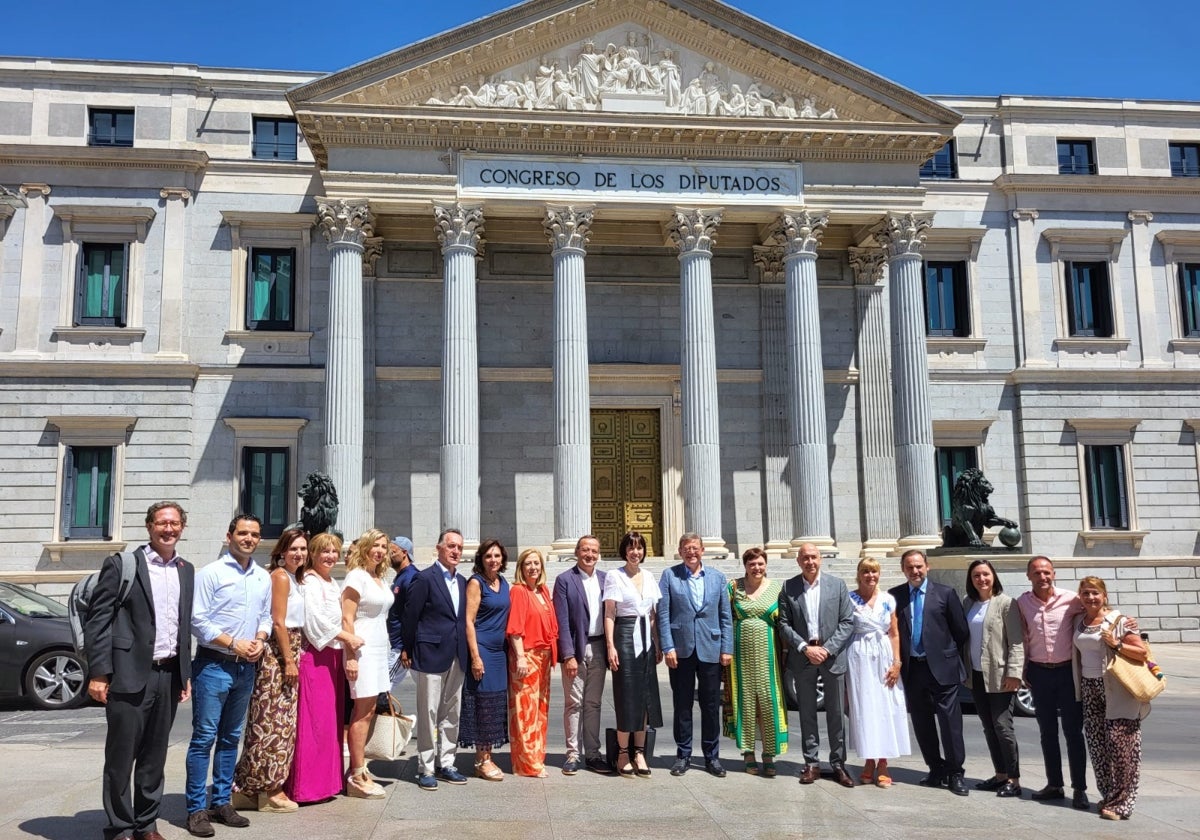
(389, 733)
(1143, 680)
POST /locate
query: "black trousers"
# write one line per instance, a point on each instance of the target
(934, 706)
(684, 681)
(1054, 696)
(996, 714)
(139, 729)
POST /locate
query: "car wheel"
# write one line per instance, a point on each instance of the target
(56, 680)
(790, 695)
(1024, 702)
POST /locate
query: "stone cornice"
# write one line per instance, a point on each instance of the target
(103, 157)
(277, 221)
(1123, 184)
(130, 370)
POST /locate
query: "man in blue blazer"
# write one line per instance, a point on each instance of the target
(434, 630)
(932, 630)
(695, 630)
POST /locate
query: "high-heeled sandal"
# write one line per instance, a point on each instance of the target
(750, 763)
(488, 770)
(768, 766)
(640, 752)
(624, 768)
(360, 785)
(868, 773)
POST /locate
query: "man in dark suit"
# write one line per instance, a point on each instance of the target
(434, 630)
(579, 609)
(695, 631)
(139, 667)
(932, 629)
(816, 620)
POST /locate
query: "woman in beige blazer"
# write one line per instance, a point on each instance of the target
(994, 658)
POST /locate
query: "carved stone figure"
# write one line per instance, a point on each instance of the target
(592, 68)
(970, 511)
(320, 510)
(667, 76)
(808, 110)
(694, 101)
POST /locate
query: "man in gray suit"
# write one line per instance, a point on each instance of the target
(816, 619)
(695, 631)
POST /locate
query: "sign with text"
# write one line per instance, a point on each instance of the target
(617, 180)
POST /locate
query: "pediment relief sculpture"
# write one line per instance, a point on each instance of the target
(639, 76)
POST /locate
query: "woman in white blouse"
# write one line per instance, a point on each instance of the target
(995, 659)
(630, 628)
(317, 763)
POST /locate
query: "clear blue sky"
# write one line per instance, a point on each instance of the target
(1103, 48)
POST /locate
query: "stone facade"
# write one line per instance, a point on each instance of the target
(733, 315)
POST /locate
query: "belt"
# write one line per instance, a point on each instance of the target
(599, 638)
(165, 663)
(917, 658)
(1051, 665)
(218, 656)
(814, 642)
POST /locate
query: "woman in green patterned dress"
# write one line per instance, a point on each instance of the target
(754, 703)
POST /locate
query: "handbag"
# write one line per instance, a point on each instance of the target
(390, 732)
(1143, 680)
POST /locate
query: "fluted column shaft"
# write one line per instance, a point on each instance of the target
(902, 237)
(345, 225)
(568, 229)
(693, 232)
(777, 490)
(460, 231)
(808, 447)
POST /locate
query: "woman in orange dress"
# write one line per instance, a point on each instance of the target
(532, 651)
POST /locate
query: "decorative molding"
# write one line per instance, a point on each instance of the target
(345, 222)
(1025, 214)
(799, 232)
(902, 234)
(867, 264)
(372, 251)
(961, 431)
(1077, 238)
(1091, 346)
(274, 221)
(266, 426)
(1091, 538)
(102, 157)
(100, 428)
(460, 226)
(1079, 184)
(948, 346)
(769, 261)
(268, 346)
(1141, 217)
(568, 227)
(694, 230)
(1088, 425)
(175, 193)
(57, 549)
(99, 338)
(32, 190)
(106, 214)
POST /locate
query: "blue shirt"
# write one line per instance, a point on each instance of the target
(230, 599)
(696, 588)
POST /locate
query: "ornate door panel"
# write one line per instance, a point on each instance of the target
(626, 477)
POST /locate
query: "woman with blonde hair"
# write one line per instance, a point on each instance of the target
(366, 599)
(532, 651)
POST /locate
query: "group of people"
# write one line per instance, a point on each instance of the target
(299, 662)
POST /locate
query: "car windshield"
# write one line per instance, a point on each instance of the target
(29, 603)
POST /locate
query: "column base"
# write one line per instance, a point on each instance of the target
(826, 545)
(561, 551)
(921, 541)
(715, 548)
(777, 548)
(877, 549)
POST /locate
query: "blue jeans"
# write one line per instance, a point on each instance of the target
(220, 698)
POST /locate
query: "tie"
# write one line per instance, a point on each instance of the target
(918, 621)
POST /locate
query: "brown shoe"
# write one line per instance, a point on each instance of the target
(198, 824)
(811, 773)
(842, 777)
(228, 815)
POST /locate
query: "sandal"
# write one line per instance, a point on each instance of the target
(768, 766)
(868, 773)
(624, 768)
(488, 771)
(642, 772)
(882, 779)
(751, 764)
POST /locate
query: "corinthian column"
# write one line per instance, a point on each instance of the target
(568, 229)
(460, 231)
(345, 225)
(877, 441)
(902, 237)
(800, 234)
(693, 233)
(777, 490)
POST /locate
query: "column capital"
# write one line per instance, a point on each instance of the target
(35, 190)
(1143, 217)
(372, 251)
(902, 234)
(175, 194)
(867, 264)
(568, 226)
(769, 259)
(799, 231)
(345, 222)
(694, 230)
(459, 226)
(1025, 214)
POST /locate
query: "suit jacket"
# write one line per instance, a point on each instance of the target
(943, 631)
(707, 632)
(835, 621)
(120, 637)
(400, 585)
(1003, 654)
(434, 633)
(571, 612)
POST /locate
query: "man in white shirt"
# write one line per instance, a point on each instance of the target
(231, 619)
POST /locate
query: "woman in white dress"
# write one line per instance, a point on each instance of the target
(366, 599)
(878, 716)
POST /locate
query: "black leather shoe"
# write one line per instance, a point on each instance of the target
(1009, 789)
(991, 784)
(598, 765)
(714, 768)
(679, 767)
(956, 786)
(1079, 801)
(1048, 794)
(934, 779)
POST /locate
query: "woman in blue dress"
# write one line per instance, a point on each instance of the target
(484, 720)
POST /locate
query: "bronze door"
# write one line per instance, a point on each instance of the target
(626, 477)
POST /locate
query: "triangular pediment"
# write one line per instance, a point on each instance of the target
(675, 63)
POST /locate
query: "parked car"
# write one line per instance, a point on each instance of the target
(37, 658)
(1024, 704)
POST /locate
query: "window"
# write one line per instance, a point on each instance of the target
(265, 487)
(87, 493)
(951, 462)
(1089, 303)
(271, 289)
(108, 127)
(943, 164)
(1107, 505)
(274, 139)
(1076, 157)
(1189, 299)
(1185, 160)
(100, 290)
(947, 299)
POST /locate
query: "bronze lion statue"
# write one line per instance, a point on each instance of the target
(970, 512)
(320, 511)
